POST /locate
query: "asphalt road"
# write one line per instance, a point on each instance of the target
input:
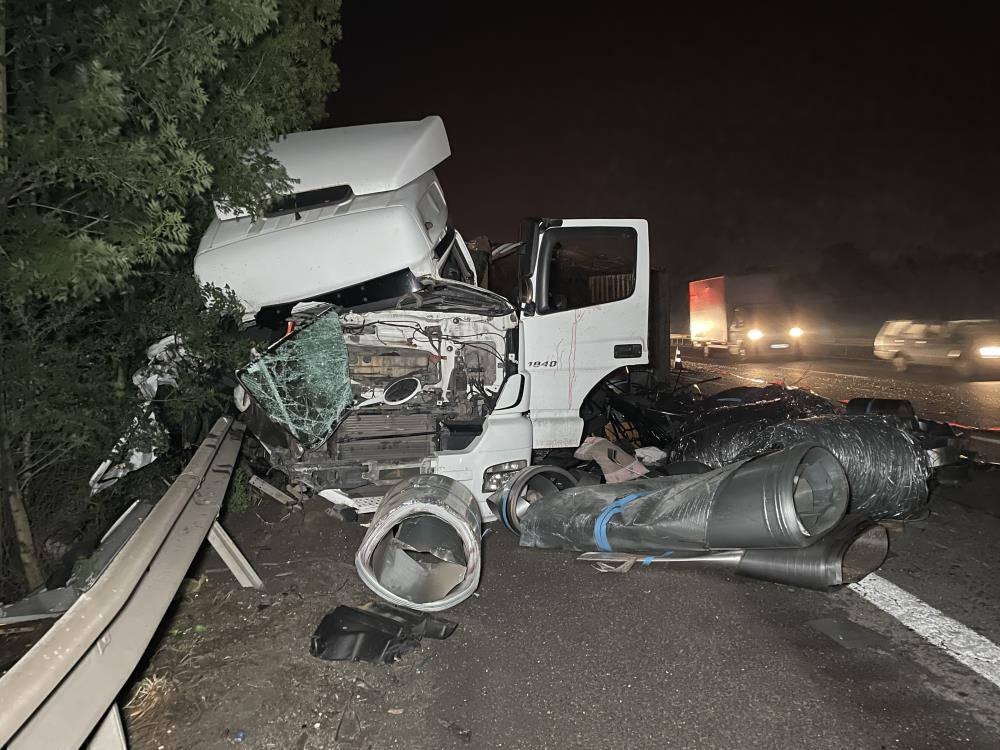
(550, 653)
(936, 393)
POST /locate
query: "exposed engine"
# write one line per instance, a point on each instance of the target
(421, 381)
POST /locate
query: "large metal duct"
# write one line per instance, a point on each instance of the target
(784, 499)
(422, 549)
(854, 548)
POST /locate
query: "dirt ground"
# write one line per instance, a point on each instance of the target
(232, 667)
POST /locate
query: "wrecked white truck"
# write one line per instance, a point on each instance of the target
(389, 355)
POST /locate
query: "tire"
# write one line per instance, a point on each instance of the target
(900, 363)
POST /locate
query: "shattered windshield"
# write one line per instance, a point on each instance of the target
(302, 382)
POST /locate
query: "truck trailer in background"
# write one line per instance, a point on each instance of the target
(744, 315)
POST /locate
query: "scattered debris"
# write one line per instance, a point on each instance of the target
(650, 454)
(349, 727)
(616, 464)
(457, 729)
(377, 633)
(273, 492)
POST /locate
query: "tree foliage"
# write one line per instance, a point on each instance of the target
(121, 120)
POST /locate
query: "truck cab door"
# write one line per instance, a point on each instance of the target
(584, 314)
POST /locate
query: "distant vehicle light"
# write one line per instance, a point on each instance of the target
(755, 333)
(989, 352)
(794, 332)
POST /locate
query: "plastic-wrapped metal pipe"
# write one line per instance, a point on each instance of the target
(422, 549)
(528, 485)
(886, 468)
(787, 498)
(853, 549)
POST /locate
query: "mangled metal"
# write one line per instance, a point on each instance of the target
(422, 549)
(787, 498)
(416, 383)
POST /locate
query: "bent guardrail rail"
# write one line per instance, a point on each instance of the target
(67, 684)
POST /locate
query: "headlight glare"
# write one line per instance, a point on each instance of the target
(989, 352)
(794, 332)
(754, 334)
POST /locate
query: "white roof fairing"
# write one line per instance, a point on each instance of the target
(368, 158)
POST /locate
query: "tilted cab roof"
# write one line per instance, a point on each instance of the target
(367, 158)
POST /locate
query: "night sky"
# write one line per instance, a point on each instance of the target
(747, 135)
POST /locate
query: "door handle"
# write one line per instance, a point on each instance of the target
(628, 351)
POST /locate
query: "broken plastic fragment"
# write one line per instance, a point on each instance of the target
(375, 632)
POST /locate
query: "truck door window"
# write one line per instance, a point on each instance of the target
(585, 266)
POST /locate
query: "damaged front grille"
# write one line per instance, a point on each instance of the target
(416, 382)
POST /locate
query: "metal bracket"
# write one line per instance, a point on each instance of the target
(234, 559)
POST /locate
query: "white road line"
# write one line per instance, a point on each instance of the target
(965, 645)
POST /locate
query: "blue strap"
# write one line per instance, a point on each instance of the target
(601, 524)
(504, 515)
(648, 559)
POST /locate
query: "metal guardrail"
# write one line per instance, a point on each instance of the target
(67, 684)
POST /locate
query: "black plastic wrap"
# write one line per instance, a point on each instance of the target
(674, 515)
(728, 423)
(786, 498)
(888, 470)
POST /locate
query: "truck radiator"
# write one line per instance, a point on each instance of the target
(385, 435)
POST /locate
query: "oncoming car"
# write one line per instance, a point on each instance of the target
(972, 347)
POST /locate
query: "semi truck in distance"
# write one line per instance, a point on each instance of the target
(744, 315)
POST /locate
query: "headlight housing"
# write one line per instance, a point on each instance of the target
(496, 476)
(754, 334)
(989, 352)
(794, 332)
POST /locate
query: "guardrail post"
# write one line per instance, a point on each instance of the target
(233, 558)
(110, 733)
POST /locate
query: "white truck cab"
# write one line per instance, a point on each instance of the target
(367, 208)
(449, 373)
